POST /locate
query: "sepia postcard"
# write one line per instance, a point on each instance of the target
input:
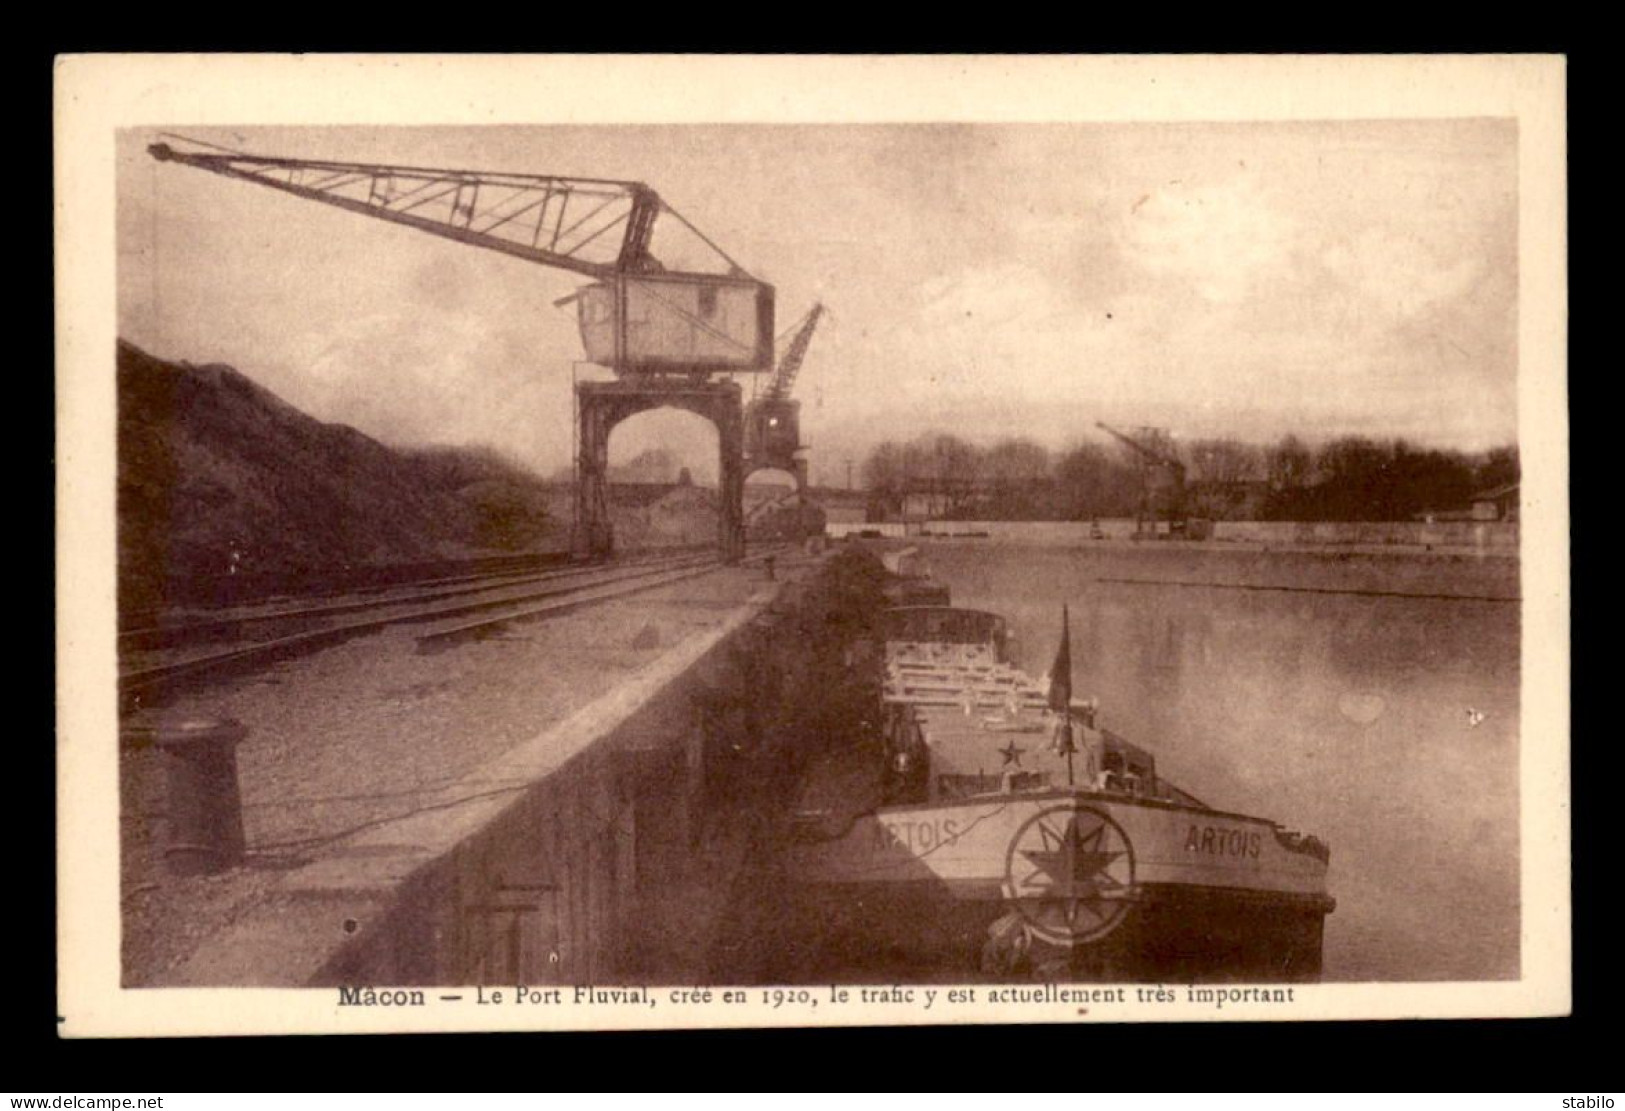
(650, 542)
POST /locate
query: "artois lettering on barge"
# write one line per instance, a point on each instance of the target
(996, 830)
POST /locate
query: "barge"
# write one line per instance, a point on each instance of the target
(993, 829)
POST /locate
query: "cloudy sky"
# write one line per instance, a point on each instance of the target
(990, 280)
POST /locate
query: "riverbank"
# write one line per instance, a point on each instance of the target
(1487, 538)
(1402, 572)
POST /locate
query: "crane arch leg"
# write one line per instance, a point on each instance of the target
(603, 405)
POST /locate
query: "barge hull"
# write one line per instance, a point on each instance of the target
(1169, 934)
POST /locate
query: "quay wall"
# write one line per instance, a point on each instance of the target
(616, 847)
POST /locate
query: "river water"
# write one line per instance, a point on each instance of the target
(1387, 726)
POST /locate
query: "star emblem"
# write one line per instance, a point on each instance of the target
(1074, 863)
(1068, 872)
(1011, 754)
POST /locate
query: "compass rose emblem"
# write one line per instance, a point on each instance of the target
(1069, 873)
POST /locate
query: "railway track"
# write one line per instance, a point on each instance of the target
(219, 592)
(237, 622)
(456, 612)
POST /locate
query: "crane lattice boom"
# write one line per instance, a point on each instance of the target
(556, 221)
(785, 377)
(1145, 450)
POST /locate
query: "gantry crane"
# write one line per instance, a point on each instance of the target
(1162, 480)
(773, 420)
(666, 326)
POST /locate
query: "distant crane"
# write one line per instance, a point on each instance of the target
(1162, 479)
(666, 325)
(773, 420)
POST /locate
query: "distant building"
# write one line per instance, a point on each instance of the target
(840, 506)
(926, 505)
(922, 505)
(1499, 504)
(1443, 516)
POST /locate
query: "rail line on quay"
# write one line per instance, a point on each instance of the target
(255, 588)
(473, 630)
(234, 620)
(584, 587)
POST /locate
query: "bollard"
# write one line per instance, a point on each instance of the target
(770, 561)
(203, 808)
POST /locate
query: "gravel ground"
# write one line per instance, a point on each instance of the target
(360, 732)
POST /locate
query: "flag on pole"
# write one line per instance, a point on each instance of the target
(1060, 674)
(1060, 695)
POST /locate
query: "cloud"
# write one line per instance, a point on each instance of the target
(1223, 238)
(1001, 296)
(1398, 273)
(1009, 323)
(430, 376)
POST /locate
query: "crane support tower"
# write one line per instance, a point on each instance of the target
(773, 420)
(665, 309)
(1162, 481)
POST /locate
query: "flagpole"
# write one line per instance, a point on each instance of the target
(1066, 711)
(1066, 741)
(1060, 692)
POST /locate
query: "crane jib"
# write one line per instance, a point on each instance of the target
(165, 153)
(673, 320)
(458, 221)
(790, 365)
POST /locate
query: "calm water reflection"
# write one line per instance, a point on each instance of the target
(1346, 716)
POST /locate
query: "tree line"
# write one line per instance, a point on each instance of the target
(1351, 478)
